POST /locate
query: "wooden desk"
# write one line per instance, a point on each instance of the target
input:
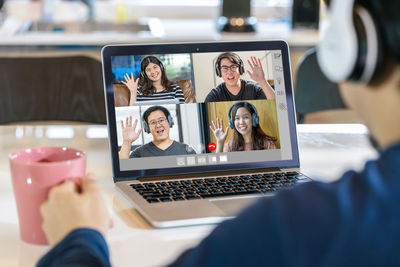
(325, 150)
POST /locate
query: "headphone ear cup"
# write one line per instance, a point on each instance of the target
(337, 53)
(231, 122)
(255, 119)
(241, 67)
(146, 127)
(170, 121)
(162, 66)
(217, 70)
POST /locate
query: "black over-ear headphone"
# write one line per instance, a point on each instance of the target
(228, 55)
(351, 48)
(150, 59)
(254, 116)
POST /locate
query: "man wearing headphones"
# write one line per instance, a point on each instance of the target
(230, 67)
(157, 120)
(354, 221)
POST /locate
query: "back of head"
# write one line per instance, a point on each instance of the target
(386, 14)
(362, 38)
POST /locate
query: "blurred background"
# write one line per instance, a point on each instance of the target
(60, 29)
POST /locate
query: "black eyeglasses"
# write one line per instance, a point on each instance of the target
(160, 121)
(233, 68)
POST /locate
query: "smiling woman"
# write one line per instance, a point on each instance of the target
(152, 83)
(250, 132)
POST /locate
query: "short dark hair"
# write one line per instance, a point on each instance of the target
(386, 14)
(233, 57)
(148, 111)
(387, 20)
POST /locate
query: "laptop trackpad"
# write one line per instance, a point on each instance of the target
(232, 207)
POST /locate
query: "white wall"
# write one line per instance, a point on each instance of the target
(190, 126)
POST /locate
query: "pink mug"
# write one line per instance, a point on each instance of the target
(34, 171)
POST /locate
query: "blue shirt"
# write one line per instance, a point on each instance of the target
(354, 221)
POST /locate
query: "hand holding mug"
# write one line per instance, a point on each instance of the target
(70, 206)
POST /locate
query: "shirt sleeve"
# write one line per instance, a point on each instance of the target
(211, 97)
(269, 144)
(295, 228)
(190, 150)
(259, 92)
(136, 153)
(82, 247)
(228, 146)
(179, 94)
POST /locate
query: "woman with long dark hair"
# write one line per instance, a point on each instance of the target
(247, 133)
(153, 83)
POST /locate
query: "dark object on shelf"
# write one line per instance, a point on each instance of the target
(305, 14)
(236, 17)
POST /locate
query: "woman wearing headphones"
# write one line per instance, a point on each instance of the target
(247, 133)
(153, 83)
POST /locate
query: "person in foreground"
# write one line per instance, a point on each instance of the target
(354, 221)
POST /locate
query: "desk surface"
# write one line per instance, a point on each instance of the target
(325, 151)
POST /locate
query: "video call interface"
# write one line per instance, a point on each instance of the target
(194, 109)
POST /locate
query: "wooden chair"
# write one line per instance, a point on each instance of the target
(66, 88)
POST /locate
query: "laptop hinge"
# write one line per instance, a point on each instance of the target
(208, 174)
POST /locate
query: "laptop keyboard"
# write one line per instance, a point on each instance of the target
(180, 190)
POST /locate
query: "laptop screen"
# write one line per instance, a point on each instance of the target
(201, 107)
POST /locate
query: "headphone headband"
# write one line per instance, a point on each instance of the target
(350, 48)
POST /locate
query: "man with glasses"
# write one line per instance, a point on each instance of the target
(229, 66)
(157, 120)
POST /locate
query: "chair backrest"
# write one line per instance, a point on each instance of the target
(314, 92)
(188, 91)
(66, 88)
(122, 93)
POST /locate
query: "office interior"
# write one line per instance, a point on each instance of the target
(46, 42)
(59, 28)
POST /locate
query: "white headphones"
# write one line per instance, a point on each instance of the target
(350, 48)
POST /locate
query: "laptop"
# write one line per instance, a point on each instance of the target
(197, 178)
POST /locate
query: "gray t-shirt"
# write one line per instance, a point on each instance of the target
(151, 150)
(249, 91)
